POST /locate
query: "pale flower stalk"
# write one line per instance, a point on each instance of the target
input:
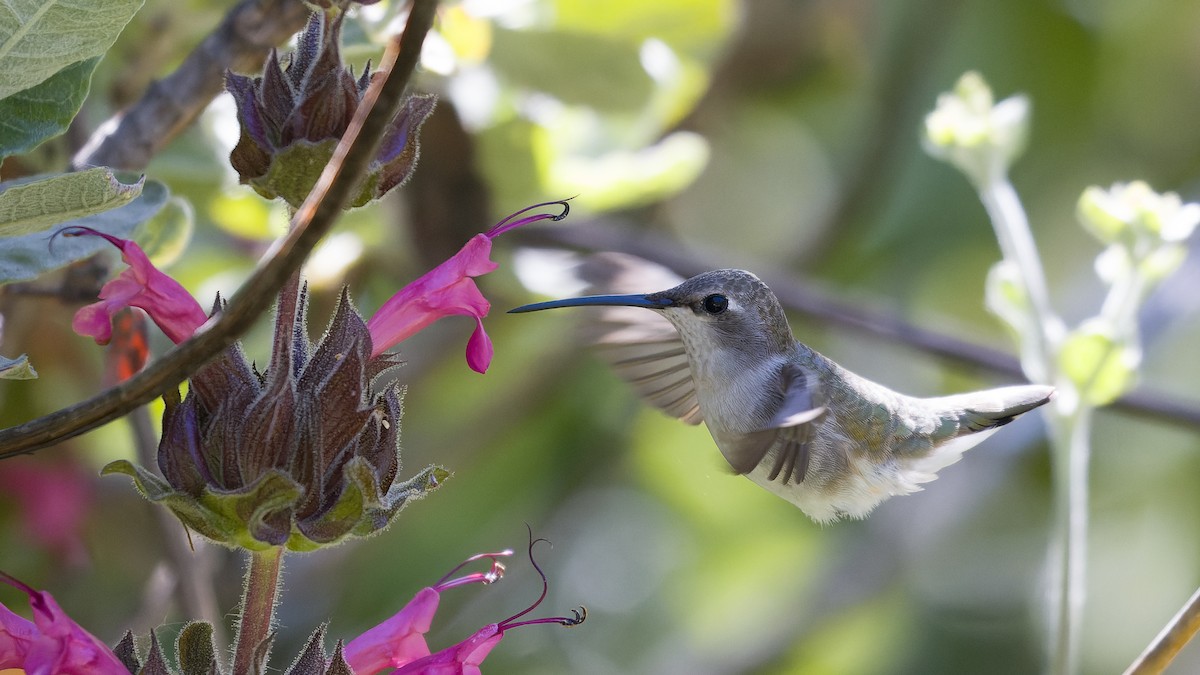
(1093, 364)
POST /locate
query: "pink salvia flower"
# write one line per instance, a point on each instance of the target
(142, 285)
(465, 657)
(401, 639)
(51, 644)
(449, 290)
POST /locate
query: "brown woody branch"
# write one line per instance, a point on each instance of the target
(170, 105)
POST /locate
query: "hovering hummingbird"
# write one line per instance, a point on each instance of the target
(831, 442)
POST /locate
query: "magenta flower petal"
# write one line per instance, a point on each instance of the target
(448, 290)
(397, 641)
(401, 639)
(463, 658)
(142, 285)
(479, 349)
(16, 634)
(52, 642)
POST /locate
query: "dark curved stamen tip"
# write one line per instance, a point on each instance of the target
(81, 231)
(580, 617)
(598, 300)
(509, 223)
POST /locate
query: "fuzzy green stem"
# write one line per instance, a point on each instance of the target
(259, 594)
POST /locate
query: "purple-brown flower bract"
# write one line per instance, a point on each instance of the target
(292, 117)
(302, 455)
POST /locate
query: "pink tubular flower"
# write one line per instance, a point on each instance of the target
(52, 642)
(401, 639)
(465, 657)
(447, 290)
(400, 643)
(142, 285)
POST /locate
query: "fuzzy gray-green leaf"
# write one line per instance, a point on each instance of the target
(26, 257)
(41, 204)
(43, 36)
(17, 369)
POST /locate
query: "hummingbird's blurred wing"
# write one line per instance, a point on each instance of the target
(642, 347)
(784, 444)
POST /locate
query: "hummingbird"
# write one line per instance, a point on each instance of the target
(829, 441)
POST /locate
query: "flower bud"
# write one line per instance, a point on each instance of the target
(969, 130)
(293, 116)
(303, 455)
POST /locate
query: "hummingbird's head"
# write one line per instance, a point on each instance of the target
(722, 309)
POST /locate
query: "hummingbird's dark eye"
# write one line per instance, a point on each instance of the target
(716, 303)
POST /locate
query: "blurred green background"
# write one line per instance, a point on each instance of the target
(765, 134)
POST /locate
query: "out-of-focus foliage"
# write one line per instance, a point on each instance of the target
(765, 134)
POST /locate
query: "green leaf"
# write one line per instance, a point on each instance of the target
(26, 257)
(17, 369)
(43, 36)
(44, 111)
(1101, 367)
(41, 204)
(576, 68)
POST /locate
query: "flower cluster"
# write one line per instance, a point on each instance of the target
(304, 454)
(970, 130)
(53, 643)
(1144, 233)
(292, 117)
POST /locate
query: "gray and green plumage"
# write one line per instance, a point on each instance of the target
(717, 348)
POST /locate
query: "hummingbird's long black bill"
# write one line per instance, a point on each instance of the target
(597, 300)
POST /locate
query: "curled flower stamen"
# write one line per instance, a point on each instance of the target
(494, 574)
(19, 585)
(509, 224)
(511, 622)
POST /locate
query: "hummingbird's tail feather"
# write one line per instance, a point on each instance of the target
(996, 407)
(969, 419)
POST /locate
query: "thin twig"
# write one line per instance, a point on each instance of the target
(170, 105)
(314, 218)
(1174, 636)
(608, 235)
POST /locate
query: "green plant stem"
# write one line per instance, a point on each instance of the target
(1018, 248)
(1072, 450)
(1070, 421)
(259, 593)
